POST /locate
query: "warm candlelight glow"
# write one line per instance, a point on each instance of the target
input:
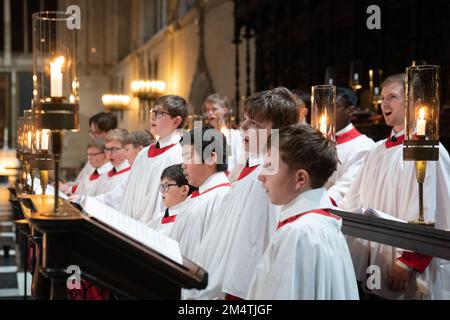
(56, 77)
(323, 124)
(421, 122)
(145, 86)
(44, 141)
(29, 139)
(116, 100)
(224, 130)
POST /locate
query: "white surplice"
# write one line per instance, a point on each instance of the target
(308, 258)
(164, 221)
(235, 147)
(194, 220)
(89, 184)
(85, 171)
(142, 199)
(387, 183)
(228, 237)
(112, 185)
(351, 150)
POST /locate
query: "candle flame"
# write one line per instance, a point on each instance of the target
(223, 130)
(422, 113)
(57, 64)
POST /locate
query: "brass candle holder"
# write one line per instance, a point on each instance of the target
(55, 94)
(422, 125)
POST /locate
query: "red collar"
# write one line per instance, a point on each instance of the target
(324, 212)
(154, 152)
(169, 219)
(94, 176)
(113, 173)
(348, 136)
(196, 194)
(246, 171)
(398, 141)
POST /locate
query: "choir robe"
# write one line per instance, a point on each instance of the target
(194, 220)
(352, 147)
(86, 171)
(387, 183)
(112, 185)
(308, 257)
(90, 184)
(246, 198)
(235, 147)
(164, 221)
(142, 199)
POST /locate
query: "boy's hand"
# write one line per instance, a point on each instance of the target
(399, 278)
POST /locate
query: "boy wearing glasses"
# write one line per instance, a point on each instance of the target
(112, 183)
(308, 257)
(174, 191)
(204, 166)
(97, 159)
(141, 199)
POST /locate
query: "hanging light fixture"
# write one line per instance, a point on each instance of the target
(116, 103)
(147, 91)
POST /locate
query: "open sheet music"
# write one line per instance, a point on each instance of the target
(133, 229)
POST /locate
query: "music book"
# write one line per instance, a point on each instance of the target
(133, 229)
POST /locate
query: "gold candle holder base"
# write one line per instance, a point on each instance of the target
(423, 223)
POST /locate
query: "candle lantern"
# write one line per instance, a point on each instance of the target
(323, 105)
(41, 154)
(55, 78)
(355, 75)
(330, 75)
(55, 87)
(422, 93)
(375, 80)
(26, 148)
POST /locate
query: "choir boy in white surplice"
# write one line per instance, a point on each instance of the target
(243, 224)
(135, 142)
(97, 159)
(204, 165)
(99, 126)
(174, 191)
(351, 145)
(111, 185)
(387, 183)
(142, 199)
(217, 109)
(308, 257)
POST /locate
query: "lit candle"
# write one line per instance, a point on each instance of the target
(44, 142)
(56, 77)
(323, 124)
(421, 122)
(29, 139)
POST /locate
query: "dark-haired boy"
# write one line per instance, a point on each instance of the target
(308, 257)
(174, 191)
(141, 198)
(204, 165)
